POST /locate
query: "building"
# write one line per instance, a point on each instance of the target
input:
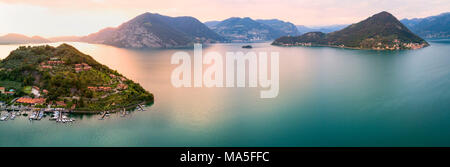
(122, 86)
(46, 67)
(29, 100)
(60, 103)
(10, 92)
(82, 67)
(35, 91)
(55, 62)
(100, 88)
(103, 88)
(2, 90)
(92, 88)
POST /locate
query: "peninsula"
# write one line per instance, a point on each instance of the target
(63, 77)
(382, 31)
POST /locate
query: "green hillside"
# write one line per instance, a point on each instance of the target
(382, 31)
(68, 75)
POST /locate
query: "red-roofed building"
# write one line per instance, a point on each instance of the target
(100, 88)
(60, 103)
(46, 67)
(122, 86)
(55, 62)
(82, 67)
(29, 100)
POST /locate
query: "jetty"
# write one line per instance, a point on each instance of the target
(106, 113)
(63, 119)
(140, 107)
(124, 113)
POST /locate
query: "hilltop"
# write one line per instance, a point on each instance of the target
(21, 39)
(66, 76)
(381, 31)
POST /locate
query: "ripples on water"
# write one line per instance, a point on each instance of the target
(328, 97)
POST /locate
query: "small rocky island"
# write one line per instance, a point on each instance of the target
(382, 31)
(63, 77)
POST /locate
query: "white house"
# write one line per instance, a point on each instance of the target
(35, 91)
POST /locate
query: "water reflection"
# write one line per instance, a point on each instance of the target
(328, 97)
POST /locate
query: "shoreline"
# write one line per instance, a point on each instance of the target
(345, 47)
(113, 110)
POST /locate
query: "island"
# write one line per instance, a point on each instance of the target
(44, 77)
(382, 31)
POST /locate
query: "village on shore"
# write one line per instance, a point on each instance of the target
(36, 106)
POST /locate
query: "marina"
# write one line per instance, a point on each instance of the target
(56, 115)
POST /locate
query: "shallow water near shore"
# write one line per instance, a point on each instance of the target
(327, 97)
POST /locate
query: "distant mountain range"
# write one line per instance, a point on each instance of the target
(65, 39)
(155, 31)
(430, 27)
(382, 31)
(286, 27)
(151, 30)
(21, 39)
(325, 29)
(237, 29)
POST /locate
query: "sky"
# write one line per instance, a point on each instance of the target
(50, 18)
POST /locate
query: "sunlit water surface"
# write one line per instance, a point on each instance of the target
(327, 97)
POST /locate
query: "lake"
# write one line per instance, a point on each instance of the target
(327, 97)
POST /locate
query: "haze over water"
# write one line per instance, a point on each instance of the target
(327, 97)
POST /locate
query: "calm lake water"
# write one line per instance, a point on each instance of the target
(327, 97)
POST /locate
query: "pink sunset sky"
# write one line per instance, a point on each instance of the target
(50, 18)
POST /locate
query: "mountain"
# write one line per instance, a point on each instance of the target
(325, 29)
(430, 27)
(65, 74)
(155, 31)
(21, 39)
(211, 24)
(237, 29)
(382, 31)
(65, 39)
(286, 27)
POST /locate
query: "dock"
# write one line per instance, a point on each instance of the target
(106, 113)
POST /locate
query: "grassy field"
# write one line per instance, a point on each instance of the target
(11, 84)
(27, 89)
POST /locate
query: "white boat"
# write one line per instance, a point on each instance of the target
(4, 117)
(40, 115)
(13, 116)
(64, 119)
(55, 116)
(33, 116)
